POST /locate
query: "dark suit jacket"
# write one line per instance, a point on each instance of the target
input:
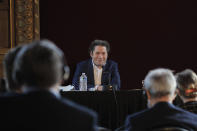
(161, 114)
(190, 106)
(110, 74)
(41, 110)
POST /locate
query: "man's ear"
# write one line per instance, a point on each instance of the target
(177, 91)
(148, 95)
(91, 53)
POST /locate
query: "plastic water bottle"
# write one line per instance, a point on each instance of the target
(83, 82)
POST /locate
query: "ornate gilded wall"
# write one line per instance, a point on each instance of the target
(23, 24)
(27, 20)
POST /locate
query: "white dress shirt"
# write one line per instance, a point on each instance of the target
(97, 76)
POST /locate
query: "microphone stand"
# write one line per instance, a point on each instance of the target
(113, 88)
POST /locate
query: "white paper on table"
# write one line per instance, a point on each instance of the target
(67, 88)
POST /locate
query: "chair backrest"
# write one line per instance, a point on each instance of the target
(170, 128)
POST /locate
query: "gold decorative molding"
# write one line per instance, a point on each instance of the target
(24, 24)
(36, 20)
(3, 51)
(27, 21)
(12, 24)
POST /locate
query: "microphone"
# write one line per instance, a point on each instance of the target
(113, 88)
(109, 81)
(110, 87)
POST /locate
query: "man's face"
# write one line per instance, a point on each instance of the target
(99, 55)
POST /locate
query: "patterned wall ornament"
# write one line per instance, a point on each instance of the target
(27, 21)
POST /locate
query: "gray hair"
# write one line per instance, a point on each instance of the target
(39, 64)
(160, 82)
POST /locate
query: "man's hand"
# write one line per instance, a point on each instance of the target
(99, 88)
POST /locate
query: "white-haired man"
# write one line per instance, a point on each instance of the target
(160, 86)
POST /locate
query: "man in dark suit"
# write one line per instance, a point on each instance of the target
(39, 68)
(160, 86)
(8, 65)
(101, 73)
(187, 89)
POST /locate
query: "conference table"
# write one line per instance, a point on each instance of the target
(112, 107)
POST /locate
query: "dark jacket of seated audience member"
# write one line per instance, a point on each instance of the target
(190, 106)
(109, 74)
(161, 114)
(2, 86)
(42, 110)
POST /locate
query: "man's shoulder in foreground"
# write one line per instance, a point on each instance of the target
(162, 113)
(67, 114)
(78, 108)
(84, 118)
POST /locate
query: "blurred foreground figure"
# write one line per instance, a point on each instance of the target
(39, 69)
(187, 87)
(8, 66)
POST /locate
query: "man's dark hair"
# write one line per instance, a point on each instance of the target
(187, 83)
(8, 64)
(99, 43)
(39, 65)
